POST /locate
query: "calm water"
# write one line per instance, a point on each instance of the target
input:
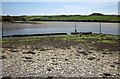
(56, 27)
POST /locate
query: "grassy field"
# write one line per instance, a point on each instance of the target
(110, 38)
(110, 18)
(81, 18)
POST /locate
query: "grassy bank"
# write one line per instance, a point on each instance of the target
(107, 41)
(29, 22)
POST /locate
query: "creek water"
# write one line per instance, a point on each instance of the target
(58, 27)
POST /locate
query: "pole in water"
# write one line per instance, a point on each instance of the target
(75, 27)
(100, 28)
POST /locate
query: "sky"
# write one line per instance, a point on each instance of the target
(60, 0)
(58, 8)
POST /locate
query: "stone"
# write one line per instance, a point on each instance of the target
(91, 58)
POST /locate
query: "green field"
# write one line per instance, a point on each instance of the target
(105, 18)
(79, 18)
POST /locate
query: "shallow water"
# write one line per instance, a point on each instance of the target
(53, 27)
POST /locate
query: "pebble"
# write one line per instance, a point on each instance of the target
(106, 74)
(3, 57)
(28, 52)
(91, 58)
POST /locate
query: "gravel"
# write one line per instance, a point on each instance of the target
(58, 62)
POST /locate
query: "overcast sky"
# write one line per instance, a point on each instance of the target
(58, 8)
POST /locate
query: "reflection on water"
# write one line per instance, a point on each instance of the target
(56, 27)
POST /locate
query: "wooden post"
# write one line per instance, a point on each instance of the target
(100, 28)
(101, 32)
(75, 27)
(2, 29)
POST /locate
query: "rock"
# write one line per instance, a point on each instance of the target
(110, 53)
(92, 48)
(103, 56)
(55, 63)
(68, 62)
(44, 49)
(77, 54)
(52, 58)
(79, 48)
(91, 58)
(27, 60)
(116, 62)
(3, 51)
(107, 53)
(3, 57)
(49, 77)
(28, 52)
(106, 74)
(98, 59)
(6, 78)
(47, 59)
(66, 59)
(112, 65)
(62, 54)
(90, 51)
(27, 57)
(83, 52)
(14, 50)
(104, 53)
(48, 69)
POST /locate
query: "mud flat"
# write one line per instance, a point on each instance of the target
(60, 56)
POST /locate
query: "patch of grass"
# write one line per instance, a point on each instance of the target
(106, 41)
(4, 41)
(79, 41)
(76, 38)
(34, 22)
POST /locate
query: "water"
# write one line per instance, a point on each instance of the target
(56, 27)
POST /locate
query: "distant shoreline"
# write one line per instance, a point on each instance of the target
(66, 18)
(81, 21)
(26, 22)
(39, 22)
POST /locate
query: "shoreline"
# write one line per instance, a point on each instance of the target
(80, 21)
(40, 22)
(53, 34)
(24, 22)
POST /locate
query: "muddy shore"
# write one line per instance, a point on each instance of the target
(60, 56)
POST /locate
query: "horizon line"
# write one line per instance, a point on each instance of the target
(52, 14)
